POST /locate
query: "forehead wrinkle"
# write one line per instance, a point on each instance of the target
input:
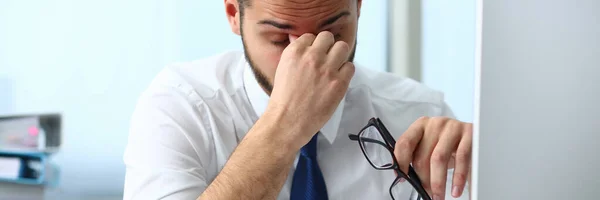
(293, 12)
(301, 3)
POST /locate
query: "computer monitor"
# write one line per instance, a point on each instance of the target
(537, 113)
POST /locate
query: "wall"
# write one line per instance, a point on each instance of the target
(5, 94)
(372, 42)
(91, 59)
(448, 52)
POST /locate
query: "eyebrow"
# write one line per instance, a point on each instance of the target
(278, 25)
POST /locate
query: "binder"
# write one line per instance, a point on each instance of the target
(31, 133)
(34, 169)
(27, 142)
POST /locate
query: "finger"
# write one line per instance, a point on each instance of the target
(323, 42)
(463, 162)
(422, 156)
(441, 155)
(407, 143)
(339, 53)
(347, 72)
(451, 163)
(302, 42)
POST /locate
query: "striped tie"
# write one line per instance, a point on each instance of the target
(308, 182)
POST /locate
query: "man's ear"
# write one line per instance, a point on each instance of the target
(233, 15)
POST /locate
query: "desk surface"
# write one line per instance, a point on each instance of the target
(10, 191)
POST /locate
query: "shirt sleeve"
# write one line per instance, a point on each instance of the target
(168, 150)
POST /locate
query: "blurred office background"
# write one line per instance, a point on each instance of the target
(90, 60)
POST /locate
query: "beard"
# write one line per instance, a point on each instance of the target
(260, 76)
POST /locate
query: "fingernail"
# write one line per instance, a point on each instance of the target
(455, 191)
(402, 180)
(437, 197)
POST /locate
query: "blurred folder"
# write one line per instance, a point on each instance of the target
(27, 168)
(30, 133)
(10, 167)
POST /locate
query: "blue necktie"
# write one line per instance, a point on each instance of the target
(308, 182)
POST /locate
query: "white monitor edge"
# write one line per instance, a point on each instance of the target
(476, 102)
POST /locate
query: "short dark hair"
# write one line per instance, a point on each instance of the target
(243, 4)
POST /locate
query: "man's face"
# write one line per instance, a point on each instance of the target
(266, 24)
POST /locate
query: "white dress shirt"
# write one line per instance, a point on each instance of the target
(193, 115)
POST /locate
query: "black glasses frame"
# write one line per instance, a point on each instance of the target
(389, 144)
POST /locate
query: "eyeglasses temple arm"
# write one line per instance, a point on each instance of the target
(357, 138)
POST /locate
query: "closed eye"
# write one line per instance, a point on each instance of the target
(286, 41)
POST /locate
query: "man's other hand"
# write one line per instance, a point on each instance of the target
(434, 145)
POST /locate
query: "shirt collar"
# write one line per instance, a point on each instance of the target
(259, 100)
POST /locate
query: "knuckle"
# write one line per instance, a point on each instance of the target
(451, 126)
(312, 59)
(339, 85)
(421, 163)
(434, 125)
(311, 63)
(398, 153)
(325, 34)
(427, 187)
(440, 123)
(292, 49)
(332, 75)
(445, 118)
(335, 84)
(405, 143)
(459, 177)
(437, 120)
(350, 67)
(434, 118)
(352, 71)
(423, 119)
(343, 46)
(437, 186)
(309, 36)
(439, 158)
(464, 153)
(462, 157)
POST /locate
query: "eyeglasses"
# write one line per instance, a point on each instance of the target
(377, 144)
